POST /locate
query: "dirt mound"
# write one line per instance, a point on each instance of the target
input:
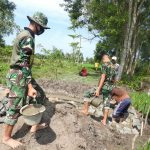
(68, 128)
(72, 89)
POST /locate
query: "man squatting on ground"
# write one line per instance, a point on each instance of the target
(19, 76)
(122, 98)
(105, 87)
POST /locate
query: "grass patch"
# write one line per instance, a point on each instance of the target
(141, 101)
(146, 147)
(134, 82)
(3, 69)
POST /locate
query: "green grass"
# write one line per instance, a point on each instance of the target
(134, 82)
(141, 101)
(146, 147)
(3, 71)
(69, 71)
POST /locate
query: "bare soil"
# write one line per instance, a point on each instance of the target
(68, 128)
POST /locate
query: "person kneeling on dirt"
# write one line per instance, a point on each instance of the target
(123, 100)
(19, 77)
(83, 72)
(105, 86)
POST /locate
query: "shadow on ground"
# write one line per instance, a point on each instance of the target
(46, 135)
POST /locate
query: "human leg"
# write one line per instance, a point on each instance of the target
(10, 120)
(105, 116)
(7, 137)
(87, 95)
(37, 127)
(16, 96)
(85, 108)
(106, 99)
(120, 111)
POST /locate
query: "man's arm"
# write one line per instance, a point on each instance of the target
(101, 82)
(31, 91)
(100, 85)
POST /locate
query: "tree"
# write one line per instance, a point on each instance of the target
(89, 60)
(117, 29)
(54, 59)
(6, 18)
(77, 56)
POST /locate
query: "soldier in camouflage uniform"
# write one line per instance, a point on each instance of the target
(105, 86)
(19, 76)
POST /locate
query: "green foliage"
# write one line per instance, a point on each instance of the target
(143, 68)
(104, 19)
(133, 82)
(4, 62)
(53, 58)
(145, 147)
(6, 16)
(76, 55)
(141, 101)
(3, 71)
(2, 42)
(109, 21)
(5, 52)
(89, 60)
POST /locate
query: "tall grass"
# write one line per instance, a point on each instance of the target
(141, 101)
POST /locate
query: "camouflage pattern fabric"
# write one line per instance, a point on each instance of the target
(19, 76)
(40, 19)
(109, 70)
(90, 93)
(17, 82)
(26, 51)
(23, 49)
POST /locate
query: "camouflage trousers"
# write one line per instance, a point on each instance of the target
(17, 83)
(106, 93)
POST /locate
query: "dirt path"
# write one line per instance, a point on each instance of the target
(68, 128)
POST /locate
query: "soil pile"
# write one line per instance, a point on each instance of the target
(68, 128)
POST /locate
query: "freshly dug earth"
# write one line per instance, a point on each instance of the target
(68, 128)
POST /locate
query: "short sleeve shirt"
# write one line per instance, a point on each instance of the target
(109, 70)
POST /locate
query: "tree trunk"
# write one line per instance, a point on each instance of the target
(124, 53)
(135, 62)
(133, 53)
(129, 37)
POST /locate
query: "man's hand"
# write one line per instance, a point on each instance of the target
(97, 93)
(31, 91)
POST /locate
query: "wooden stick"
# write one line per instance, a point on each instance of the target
(142, 124)
(147, 116)
(133, 141)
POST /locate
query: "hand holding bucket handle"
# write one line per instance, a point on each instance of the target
(31, 91)
(30, 100)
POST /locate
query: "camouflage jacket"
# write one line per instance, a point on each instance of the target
(109, 70)
(23, 49)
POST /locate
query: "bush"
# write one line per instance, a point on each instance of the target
(133, 82)
(146, 147)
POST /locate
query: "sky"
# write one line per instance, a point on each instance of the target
(58, 21)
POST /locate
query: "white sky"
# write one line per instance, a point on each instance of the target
(58, 21)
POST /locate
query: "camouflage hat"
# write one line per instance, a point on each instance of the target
(40, 19)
